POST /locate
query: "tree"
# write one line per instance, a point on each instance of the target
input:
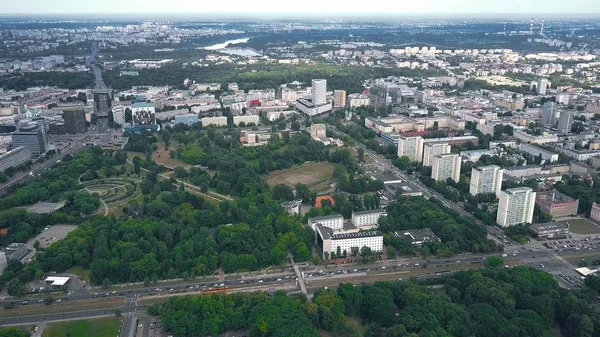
(361, 155)
(118, 312)
(16, 288)
(128, 115)
(137, 163)
(282, 192)
(494, 262)
(181, 172)
(48, 300)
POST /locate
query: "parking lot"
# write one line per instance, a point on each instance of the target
(50, 235)
(573, 245)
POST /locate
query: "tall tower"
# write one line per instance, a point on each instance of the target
(531, 26)
(319, 92)
(542, 28)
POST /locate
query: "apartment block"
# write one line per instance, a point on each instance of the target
(431, 150)
(515, 206)
(411, 147)
(446, 166)
(486, 179)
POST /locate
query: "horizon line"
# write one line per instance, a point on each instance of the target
(237, 14)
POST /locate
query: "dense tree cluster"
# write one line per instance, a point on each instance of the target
(520, 302)
(587, 191)
(13, 332)
(68, 80)
(457, 233)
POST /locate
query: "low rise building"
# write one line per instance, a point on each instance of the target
(547, 156)
(418, 237)
(293, 207)
(556, 204)
(16, 251)
(333, 221)
(358, 100)
(550, 230)
(367, 218)
(14, 158)
(214, 121)
(246, 119)
(346, 242)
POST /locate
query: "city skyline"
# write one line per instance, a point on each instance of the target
(311, 7)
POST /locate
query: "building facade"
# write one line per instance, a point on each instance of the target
(319, 92)
(31, 137)
(246, 119)
(515, 206)
(565, 121)
(345, 242)
(334, 221)
(557, 204)
(367, 218)
(74, 120)
(446, 166)
(431, 150)
(14, 158)
(339, 98)
(547, 156)
(214, 121)
(411, 147)
(549, 114)
(358, 100)
(595, 211)
(486, 179)
(3, 262)
(118, 112)
(318, 130)
(550, 230)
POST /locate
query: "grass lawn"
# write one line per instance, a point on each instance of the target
(317, 176)
(79, 271)
(582, 226)
(101, 327)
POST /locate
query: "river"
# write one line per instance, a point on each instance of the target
(226, 43)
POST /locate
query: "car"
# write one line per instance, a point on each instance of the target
(260, 281)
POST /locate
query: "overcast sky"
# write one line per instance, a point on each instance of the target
(523, 7)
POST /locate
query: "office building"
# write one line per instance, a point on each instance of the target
(542, 86)
(446, 166)
(367, 218)
(431, 150)
(31, 137)
(74, 120)
(118, 113)
(515, 206)
(411, 147)
(346, 242)
(565, 121)
(16, 251)
(486, 179)
(333, 221)
(556, 204)
(550, 230)
(595, 211)
(3, 262)
(319, 92)
(14, 158)
(549, 114)
(189, 119)
(318, 130)
(339, 98)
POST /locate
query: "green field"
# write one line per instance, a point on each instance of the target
(101, 327)
(317, 176)
(582, 226)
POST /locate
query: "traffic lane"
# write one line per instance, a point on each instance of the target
(62, 316)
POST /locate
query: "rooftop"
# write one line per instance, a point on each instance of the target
(142, 105)
(325, 217)
(548, 226)
(553, 196)
(328, 234)
(57, 280)
(371, 211)
(419, 235)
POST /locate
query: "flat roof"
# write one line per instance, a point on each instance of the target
(420, 235)
(325, 217)
(585, 271)
(57, 280)
(372, 211)
(548, 226)
(554, 196)
(328, 234)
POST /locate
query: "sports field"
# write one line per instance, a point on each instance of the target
(101, 327)
(317, 176)
(582, 226)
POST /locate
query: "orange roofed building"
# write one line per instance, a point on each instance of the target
(324, 197)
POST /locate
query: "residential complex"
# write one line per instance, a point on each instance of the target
(431, 150)
(411, 147)
(486, 179)
(515, 206)
(446, 166)
(557, 204)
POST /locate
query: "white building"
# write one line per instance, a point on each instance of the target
(334, 221)
(358, 100)
(346, 242)
(486, 179)
(431, 150)
(541, 86)
(547, 156)
(367, 218)
(446, 166)
(118, 112)
(515, 206)
(310, 109)
(319, 92)
(246, 119)
(411, 147)
(214, 121)
(318, 130)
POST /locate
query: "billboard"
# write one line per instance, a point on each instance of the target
(143, 117)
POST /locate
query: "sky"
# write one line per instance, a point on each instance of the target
(354, 7)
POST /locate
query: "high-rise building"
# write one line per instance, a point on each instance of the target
(446, 166)
(486, 179)
(411, 147)
(319, 92)
(565, 121)
(74, 120)
(549, 112)
(541, 86)
(431, 150)
(515, 206)
(118, 112)
(339, 98)
(31, 137)
(41, 122)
